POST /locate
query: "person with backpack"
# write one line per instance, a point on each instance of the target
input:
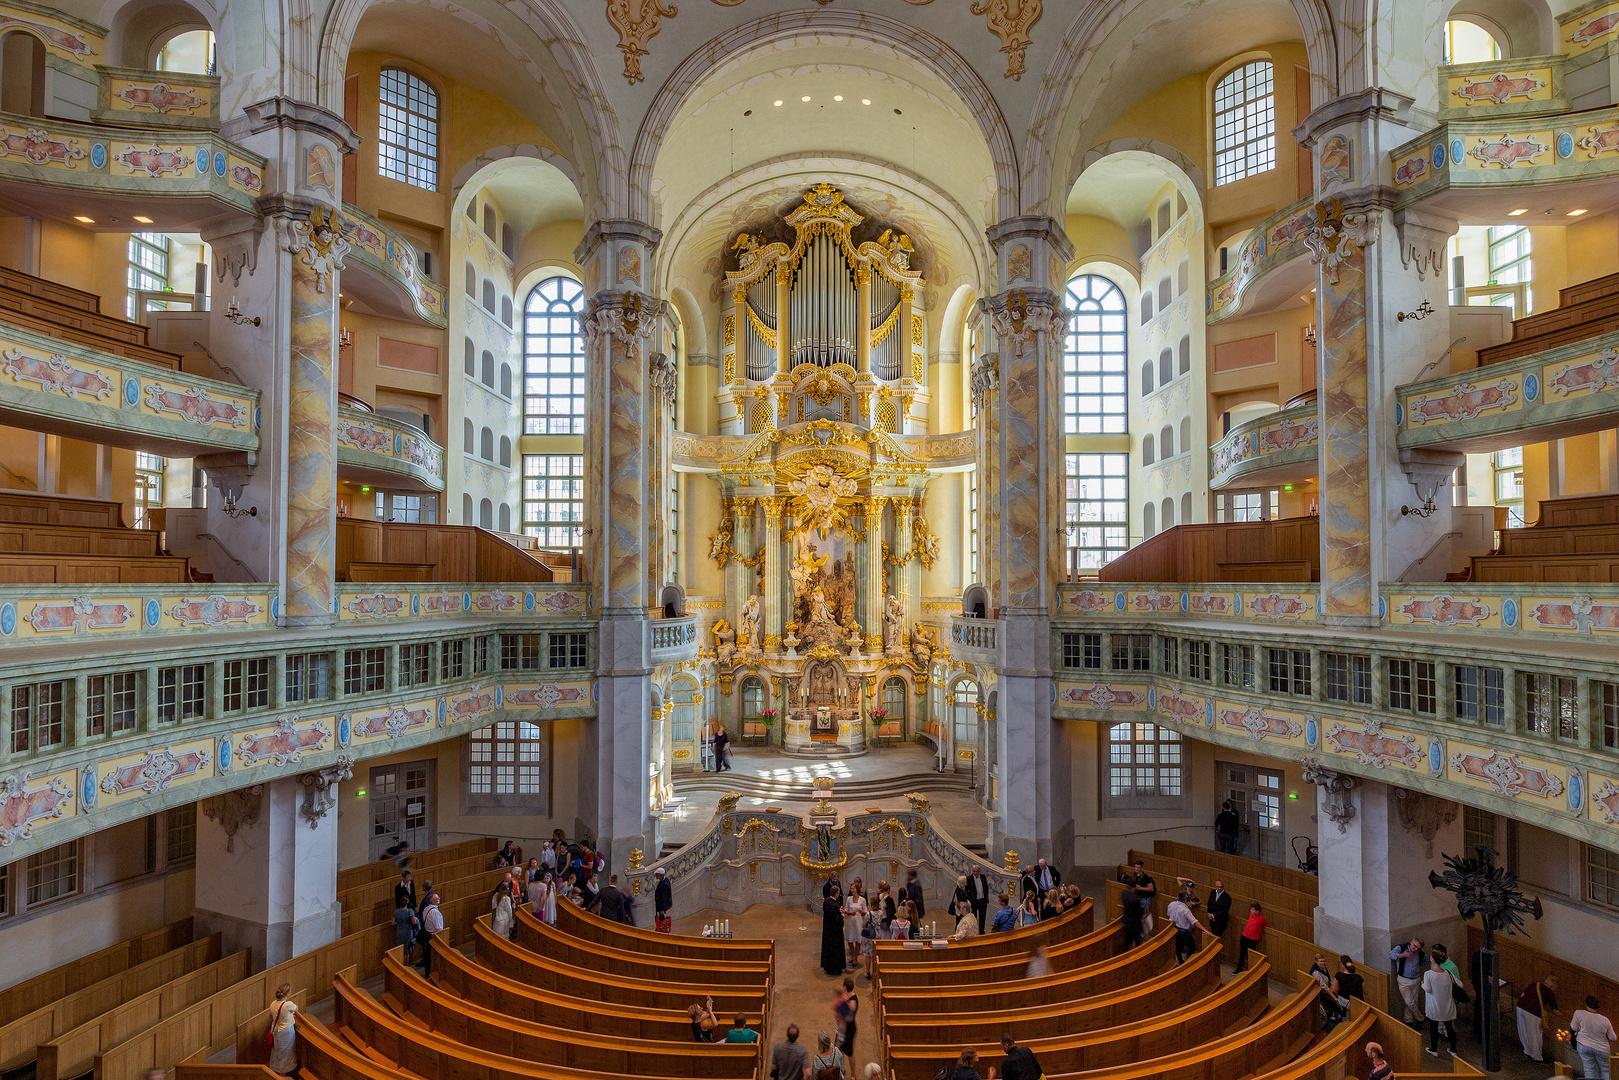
(827, 1064)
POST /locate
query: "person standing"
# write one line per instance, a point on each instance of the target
(432, 923)
(1439, 1005)
(1593, 1039)
(1028, 912)
(833, 953)
(886, 909)
(855, 909)
(828, 1061)
(1537, 1006)
(663, 902)
(1251, 935)
(283, 1032)
(1180, 913)
(1006, 917)
(789, 1060)
(913, 892)
(500, 909)
(966, 922)
(1226, 824)
(405, 891)
(844, 1008)
(978, 893)
(900, 928)
(1146, 888)
(610, 903)
(1135, 929)
(1381, 1069)
(961, 896)
(406, 926)
(722, 748)
(1045, 878)
(1409, 965)
(1219, 909)
(1019, 1062)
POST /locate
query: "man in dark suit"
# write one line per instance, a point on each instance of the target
(978, 891)
(610, 902)
(663, 897)
(405, 892)
(1219, 908)
(1045, 878)
(913, 892)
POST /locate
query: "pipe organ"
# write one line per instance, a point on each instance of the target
(823, 310)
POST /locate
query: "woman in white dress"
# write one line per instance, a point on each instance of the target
(500, 905)
(855, 908)
(550, 914)
(283, 1032)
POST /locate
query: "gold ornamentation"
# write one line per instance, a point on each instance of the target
(728, 803)
(887, 835)
(924, 545)
(730, 329)
(880, 335)
(637, 22)
(719, 544)
(1011, 858)
(916, 330)
(1010, 20)
(919, 803)
(767, 335)
(820, 496)
(636, 855)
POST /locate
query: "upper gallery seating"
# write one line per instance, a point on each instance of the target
(71, 315)
(1262, 551)
(1583, 311)
(1575, 540)
(61, 539)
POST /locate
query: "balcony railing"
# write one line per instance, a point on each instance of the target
(1272, 448)
(369, 442)
(674, 639)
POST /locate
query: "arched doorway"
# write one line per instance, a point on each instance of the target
(964, 725)
(894, 701)
(685, 721)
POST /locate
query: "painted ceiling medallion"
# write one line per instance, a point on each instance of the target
(1010, 20)
(637, 22)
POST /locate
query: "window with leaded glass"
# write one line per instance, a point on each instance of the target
(1550, 705)
(1244, 123)
(1349, 677)
(407, 129)
(1144, 760)
(554, 498)
(1095, 390)
(507, 758)
(553, 359)
(1097, 508)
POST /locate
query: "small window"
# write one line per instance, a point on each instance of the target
(506, 380)
(180, 829)
(1244, 123)
(1349, 678)
(37, 716)
(1289, 671)
(505, 520)
(487, 367)
(1478, 830)
(469, 435)
(1082, 651)
(1163, 217)
(1183, 277)
(508, 242)
(1132, 652)
(568, 650)
(1149, 513)
(1610, 716)
(1166, 294)
(110, 703)
(486, 445)
(472, 281)
(480, 655)
(1237, 665)
(489, 296)
(1146, 378)
(1184, 354)
(407, 130)
(519, 652)
(1601, 876)
(53, 874)
(246, 684)
(472, 359)
(182, 691)
(1169, 655)
(1186, 437)
(415, 664)
(1146, 307)
(308, 677)
(364, 670)
(505, 461)
(1166, 368)
(506, 310)
(1148, 450)
(489, 220)
(1411, 685)
(1197, 661)
(486, 514)
(1166, 514)
(1550, 706)
(1166, 443)
(1481, 695)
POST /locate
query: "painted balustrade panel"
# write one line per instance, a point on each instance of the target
(157, 99)
(1286, 439)
(1544, 612)
(367, 602)
(1520, 86)
(46, 614)
(1503, 404)
(1289, 603)
(1277, 240)
(371, 441)
(384, 251)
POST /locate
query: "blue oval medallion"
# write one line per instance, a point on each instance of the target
(275, 609)
(8, 619)
(1509, 612)
(466, 601)
(152, 613)
(202, 164)
(132, 391)
(1531, 387)
(1382, 608)
(1208, 713)
(528, 601)
(595, 694)
(1436, 757)
(1311, 732)
(1565, 144)
(344, 729)
(440, 712)
(225, 754)
(1118, 601)
(1576, 790)
(1456, 151)
(1186, 602)
(98, 155)
(500, 696)
(219, 163)
(87, 788)
(1236, 602)
(396, 446)
(1054, 693)
(257, 413)
(415, 604)
(1438, 156)
(1152, 697)
(1399, 414)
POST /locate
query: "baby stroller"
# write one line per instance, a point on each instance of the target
(1310, 862)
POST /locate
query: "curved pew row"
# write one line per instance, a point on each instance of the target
(1152, 997)
(1093, 948)
(419, 1002)
(1232, 1008)
(578, 923)
(1076, 923)
(531, 933)
(1155, 955)
(458, 975)
(514, 962)
(413, 1039)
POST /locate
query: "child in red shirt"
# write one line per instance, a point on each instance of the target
(1250, 935)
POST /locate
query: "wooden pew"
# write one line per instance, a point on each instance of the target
(75, 1052)
(1166, 868)
(1174, 989)
(418, 1002)
(420, 862)
(532, 933)
(20, 1039)
(1154, 955)
(504, 958)
(479, 886)
(1233, 1007)
(1287, 877)
(46, 569)
(40, 991)
(433, 1056)
(1076, 923)
(367, 895)
(578, 923)
(1093, 948)
(18, 538)
(1288, 922)
(481, 986)
(1522, 965)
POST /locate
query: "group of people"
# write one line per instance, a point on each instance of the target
(1589, 1028)
(416, 920)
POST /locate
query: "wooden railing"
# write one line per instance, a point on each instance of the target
(454, 553)
(1252, 551)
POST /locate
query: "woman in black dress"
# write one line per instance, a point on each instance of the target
(832, 951)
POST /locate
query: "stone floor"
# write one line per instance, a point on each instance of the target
(882, 777)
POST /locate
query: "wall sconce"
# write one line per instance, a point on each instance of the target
(1423, 310)
(231, 510)
(234, 314)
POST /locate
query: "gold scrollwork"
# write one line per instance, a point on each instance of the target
(919, 802)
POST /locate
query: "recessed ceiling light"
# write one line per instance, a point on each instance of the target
(1518, 212)
(1575, 213)
(777, 103)
(865, 101)
(748, 112)
(143, 219)
(86, 220)
(806, 97)
(837, 97)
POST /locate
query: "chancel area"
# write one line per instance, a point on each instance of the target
(555, 539)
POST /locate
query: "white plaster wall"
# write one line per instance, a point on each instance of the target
(64, 932)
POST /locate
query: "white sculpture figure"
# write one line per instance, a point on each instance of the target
(894, 627)
(819, 611)
(749, 634)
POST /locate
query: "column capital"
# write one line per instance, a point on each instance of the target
(616, 231)
(318, 797)
(1335, 788)
(1036, 227)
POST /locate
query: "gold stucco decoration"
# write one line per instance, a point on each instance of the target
(637, 22)
(1010, 20)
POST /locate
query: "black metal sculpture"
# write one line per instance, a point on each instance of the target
(1490, 891)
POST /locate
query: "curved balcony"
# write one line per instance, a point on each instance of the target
(674, 640)
(1267, 271)
(383, 270)
(975, 640)
(1280, 447)
(157, 99)
(376, 449)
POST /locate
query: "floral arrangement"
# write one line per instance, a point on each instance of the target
(769, 715)
(879, 713)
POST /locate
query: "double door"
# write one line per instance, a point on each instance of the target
(1256, 795)
(401, 806)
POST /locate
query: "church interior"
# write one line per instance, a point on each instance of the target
(766, 444)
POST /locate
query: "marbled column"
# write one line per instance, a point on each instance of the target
(266, 872)
(903, 582)
(774, 506)
(311, 486)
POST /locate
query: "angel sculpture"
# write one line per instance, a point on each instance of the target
(747, 248)
(924, 639)
(751, 620)
(894, 627)
(719, 544)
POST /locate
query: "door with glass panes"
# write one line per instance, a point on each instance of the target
(401, 800)
(1256, 795)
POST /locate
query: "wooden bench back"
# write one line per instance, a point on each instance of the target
(465, 890)
(532, 933)
(19, 568)
(420, 862)
(1075, 923)
(382, 890)
(579, 923)
(44, 989)
(1287, 877)
(1080, 952)
(1165, 869)
(19, 538)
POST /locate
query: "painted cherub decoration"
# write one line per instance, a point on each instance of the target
(320, 243)
(747, 248)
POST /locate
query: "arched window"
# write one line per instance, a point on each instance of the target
(486, 444)
(1184, 352)
(1186, 434)
(1146, 307)
(1166, 443)
(508, 241)
(1147, 454)
(189, 51)
(1166, 367)
(1244, 123)
(22, 74)
(486, 515)
(472, 281)
(753, 702)
(489, 296)
(506, 310)
(964, 718)
(505, 517)
(471, 435)
(472, 211)
(466, 507)
(407, 130)
(472, 359)
(895, 700)
(1186, 508)
(506, 452)
(489, 220)
(1146, 378)
(1469, 43)
(1167, 514)
(1149, 518)
(1183, 277)
(1163, 217)
(506, 380)
(553, 359)
(1095, 376)
(1165, 293)
(683, 719)
(488, 369)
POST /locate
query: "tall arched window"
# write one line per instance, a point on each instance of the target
(1186, 508)
(489, 296)
(472, 359)
(1166, 367)
(1245, 123)
(894, 701)
(505, 517)
(486, 444)
(553, 359)
(489, 221)
(1146, 378)
(1149, 521)
(753, 702)
(1165, 291)
(407, 130)
(488, 369)
(486, 514)
(964, 719)
(1095, 394)
(505, 451)
(1184, 352)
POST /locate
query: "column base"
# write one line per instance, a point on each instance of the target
(275, 942)
(308, 622)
